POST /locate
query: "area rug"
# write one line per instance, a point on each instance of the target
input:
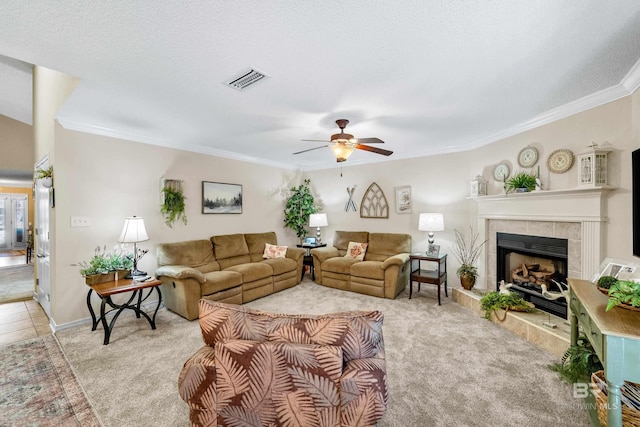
(16, 283)
(38, 387)
(446, 365)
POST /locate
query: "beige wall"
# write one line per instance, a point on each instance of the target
(109, 179)
(441, 183)
(17, 148)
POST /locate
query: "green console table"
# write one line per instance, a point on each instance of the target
(615, 336)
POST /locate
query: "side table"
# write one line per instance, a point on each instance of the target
(107, 289)
(434, 277)
(308, 259)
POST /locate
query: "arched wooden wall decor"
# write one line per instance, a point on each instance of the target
(374, 203)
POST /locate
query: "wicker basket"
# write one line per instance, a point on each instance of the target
(630, 416)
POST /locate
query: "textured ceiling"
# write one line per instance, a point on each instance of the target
(425, 76)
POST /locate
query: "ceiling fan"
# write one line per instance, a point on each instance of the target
(342, 144)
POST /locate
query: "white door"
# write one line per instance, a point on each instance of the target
(19, 220)
(43, 265)
(5, 221)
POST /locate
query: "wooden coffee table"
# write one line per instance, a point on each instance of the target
(107, 289)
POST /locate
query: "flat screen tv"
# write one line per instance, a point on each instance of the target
(635, 183)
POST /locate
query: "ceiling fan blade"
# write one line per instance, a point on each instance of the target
(370, 141)
(374, 150)
(311, 149)
(315, 140)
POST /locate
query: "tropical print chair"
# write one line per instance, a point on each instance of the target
(262, 369)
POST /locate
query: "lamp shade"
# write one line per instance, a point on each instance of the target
(342, 151)
(431, 222)
(318, 220)
(133, 230)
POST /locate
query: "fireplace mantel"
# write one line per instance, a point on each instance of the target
(585, 206)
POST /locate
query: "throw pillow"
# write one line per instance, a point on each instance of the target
(356, 250)
(274, 251)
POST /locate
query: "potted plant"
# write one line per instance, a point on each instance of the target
(299, 206)
(467, 253)
(495, 300)
(173, 205)
(578, 362)
(45, 176)
(625, 294)
(104, 265)
(521, 182)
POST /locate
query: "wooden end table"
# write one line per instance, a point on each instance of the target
(107, 289)
(433, 277)
(308, 259)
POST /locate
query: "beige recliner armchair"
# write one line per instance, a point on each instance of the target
(384, 272)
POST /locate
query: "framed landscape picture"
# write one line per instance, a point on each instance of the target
(221, 198)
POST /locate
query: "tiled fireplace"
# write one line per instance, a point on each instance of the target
(577, 215)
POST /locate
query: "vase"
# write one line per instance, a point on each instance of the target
(467, 281)
(47, 181)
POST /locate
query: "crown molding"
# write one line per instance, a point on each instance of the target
(71, 124)
(631, 81)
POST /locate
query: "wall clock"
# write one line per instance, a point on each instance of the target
(527, 157)
(560, 161)
(501, 172)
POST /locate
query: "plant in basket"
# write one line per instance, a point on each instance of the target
(103, 266)
(625, 294)
(493, 301)
(604, 283)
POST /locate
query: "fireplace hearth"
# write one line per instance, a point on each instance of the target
(529, 262)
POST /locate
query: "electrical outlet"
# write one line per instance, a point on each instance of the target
(80, 221)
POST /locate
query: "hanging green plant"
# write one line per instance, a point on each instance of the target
(299, 206)
(44, 173)
(173, 206)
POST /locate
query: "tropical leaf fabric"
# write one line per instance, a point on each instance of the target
(263, 369)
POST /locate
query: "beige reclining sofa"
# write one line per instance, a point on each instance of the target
(228, 268)
(384, 271)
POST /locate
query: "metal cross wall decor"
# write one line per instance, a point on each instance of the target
(350, 203)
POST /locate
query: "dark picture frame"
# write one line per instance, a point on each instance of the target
(310, 240)
(221, 198)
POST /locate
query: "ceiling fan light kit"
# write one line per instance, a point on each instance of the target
(343, 144)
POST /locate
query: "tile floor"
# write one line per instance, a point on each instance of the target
(22, 320)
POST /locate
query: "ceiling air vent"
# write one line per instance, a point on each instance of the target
(245, 79)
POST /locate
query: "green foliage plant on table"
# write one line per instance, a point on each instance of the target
(467, 254)
(104, 262)
(300, 205)
(578, 362)
(521, 180)
(495, 300)
(624, 292)
(173, 206)
(605, 282)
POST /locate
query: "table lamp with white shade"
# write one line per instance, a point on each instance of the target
(431, 222)
(134, 232)
(318, 220)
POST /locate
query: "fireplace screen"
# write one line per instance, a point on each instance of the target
(531, 262)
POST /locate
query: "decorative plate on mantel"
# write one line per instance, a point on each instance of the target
(560, 161)
(501, 172)
(527, 157)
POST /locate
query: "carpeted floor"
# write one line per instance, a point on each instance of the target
(16, 283)
(446, 365)
(38, 387)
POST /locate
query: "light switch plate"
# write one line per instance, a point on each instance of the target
(80, 221)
